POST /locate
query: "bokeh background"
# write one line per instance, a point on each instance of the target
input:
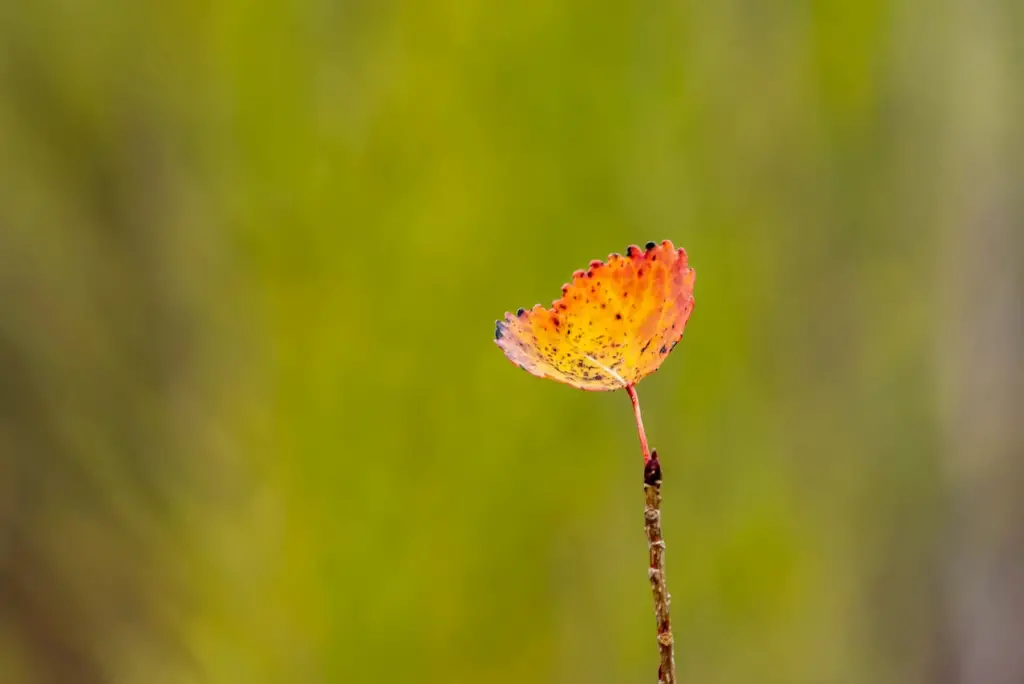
(253, 427)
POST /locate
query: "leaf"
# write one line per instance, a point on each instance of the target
(614, 324)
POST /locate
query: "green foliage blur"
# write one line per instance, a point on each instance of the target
(253, 427)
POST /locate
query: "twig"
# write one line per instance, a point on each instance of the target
(656, 571)
(655, 547)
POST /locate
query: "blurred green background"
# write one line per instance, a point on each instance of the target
(253, 427)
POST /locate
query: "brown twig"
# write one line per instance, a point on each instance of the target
(655, 546)
(656, 571)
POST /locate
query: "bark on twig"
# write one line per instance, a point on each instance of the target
(656, 571)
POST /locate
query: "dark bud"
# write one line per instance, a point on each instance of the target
(649, 246)
(652, 470)
(520, 312)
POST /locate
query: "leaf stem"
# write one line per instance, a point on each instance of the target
(631, 390)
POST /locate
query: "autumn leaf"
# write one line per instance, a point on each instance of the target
(614, 324)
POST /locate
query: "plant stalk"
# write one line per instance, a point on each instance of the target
(656, 571)
(656, 549)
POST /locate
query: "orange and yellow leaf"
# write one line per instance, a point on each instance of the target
(613, 325)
